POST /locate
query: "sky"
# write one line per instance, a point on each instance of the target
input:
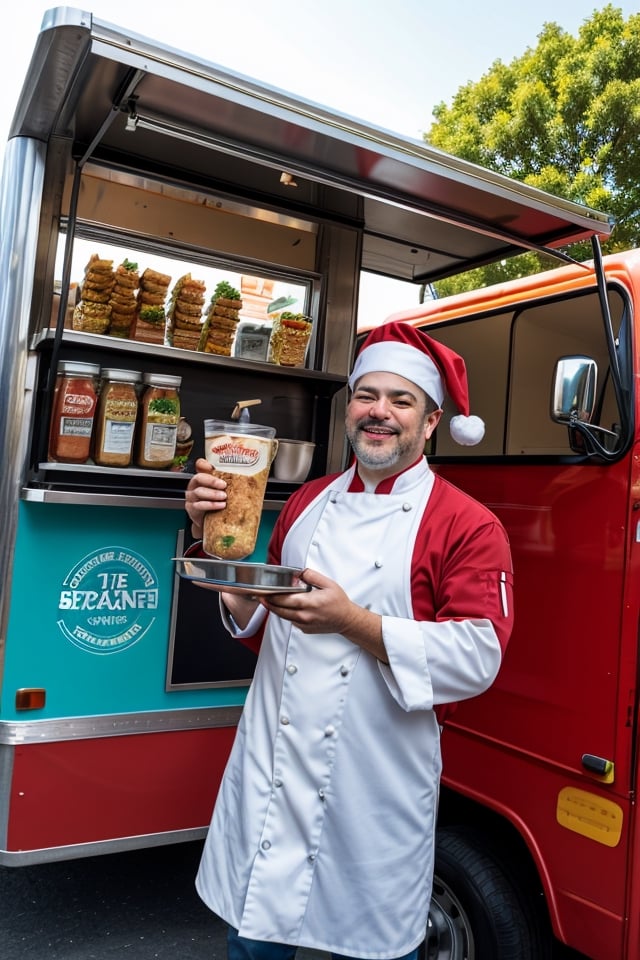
(387, 62)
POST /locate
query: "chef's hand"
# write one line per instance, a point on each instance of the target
(327, 609)
(204, 492)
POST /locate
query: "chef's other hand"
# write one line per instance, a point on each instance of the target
(204, 492)
(327, 609)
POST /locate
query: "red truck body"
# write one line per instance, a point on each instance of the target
(568, 688)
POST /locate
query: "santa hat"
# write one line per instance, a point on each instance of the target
(397, 347)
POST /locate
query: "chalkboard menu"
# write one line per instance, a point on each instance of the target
(202, 653)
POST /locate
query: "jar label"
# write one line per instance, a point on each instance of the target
(121, 408)
(75, 426)
(78, 404)
(239, 453)
(160, 442)
(118, 436)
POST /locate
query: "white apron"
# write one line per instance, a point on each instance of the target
(322, 834)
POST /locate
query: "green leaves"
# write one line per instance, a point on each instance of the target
(163, 405)
(564, 117)
(225, 291)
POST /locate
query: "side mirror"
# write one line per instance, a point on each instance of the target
(573, 391)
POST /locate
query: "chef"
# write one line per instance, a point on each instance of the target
(323, 831)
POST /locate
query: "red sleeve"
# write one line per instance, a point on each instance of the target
(462, 566)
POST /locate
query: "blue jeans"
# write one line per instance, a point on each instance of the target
(240, 948)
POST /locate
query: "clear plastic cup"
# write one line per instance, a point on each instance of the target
(240, 453)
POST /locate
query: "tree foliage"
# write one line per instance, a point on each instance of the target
(564, 117)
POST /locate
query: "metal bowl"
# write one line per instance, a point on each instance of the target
(238, 577)
(293, 460)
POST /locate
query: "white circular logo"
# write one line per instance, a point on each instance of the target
(108, 600)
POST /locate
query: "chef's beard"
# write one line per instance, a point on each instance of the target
(372, 457)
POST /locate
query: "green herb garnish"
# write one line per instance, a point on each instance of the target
(163, 405)
(226, 291)
(152, 314)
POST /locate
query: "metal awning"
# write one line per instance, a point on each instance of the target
(131, 104)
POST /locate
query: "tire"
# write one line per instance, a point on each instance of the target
(479, 910)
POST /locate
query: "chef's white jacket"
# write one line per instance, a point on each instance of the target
(323, 830)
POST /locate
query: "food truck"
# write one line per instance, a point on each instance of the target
(133, 166)
(540, 774)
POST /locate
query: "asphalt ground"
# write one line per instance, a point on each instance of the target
(138, 905)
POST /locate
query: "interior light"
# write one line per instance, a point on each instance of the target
(132, 119)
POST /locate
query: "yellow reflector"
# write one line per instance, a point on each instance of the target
(591, 815)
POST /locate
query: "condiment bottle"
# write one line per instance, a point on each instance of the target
(116, 418)
(159, 417)
(74, 405)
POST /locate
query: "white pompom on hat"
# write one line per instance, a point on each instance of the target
(397, 347)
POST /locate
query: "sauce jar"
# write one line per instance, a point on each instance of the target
(75, 399)
(159, 418)
(116, 418)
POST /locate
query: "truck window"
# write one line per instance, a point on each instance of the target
(511, 357)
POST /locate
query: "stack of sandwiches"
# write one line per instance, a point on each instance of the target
(123, 299)
(151, 315)
(93, 311)
(184, 316)
(221, 320)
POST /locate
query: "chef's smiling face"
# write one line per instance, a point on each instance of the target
(387, 424)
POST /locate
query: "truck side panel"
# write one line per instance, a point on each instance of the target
(568, 685)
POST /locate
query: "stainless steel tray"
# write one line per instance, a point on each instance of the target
(240, 577)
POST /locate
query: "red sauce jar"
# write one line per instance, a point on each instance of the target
(74, 405)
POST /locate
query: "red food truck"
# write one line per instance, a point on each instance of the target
(541, 773)
(130, 165)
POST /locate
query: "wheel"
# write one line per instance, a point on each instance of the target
(478, 910)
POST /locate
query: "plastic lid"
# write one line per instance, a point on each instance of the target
(213, 428)
(122, 376)
(78, 368)
(162, 380)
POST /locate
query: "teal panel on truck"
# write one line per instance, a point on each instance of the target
(92, 590)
